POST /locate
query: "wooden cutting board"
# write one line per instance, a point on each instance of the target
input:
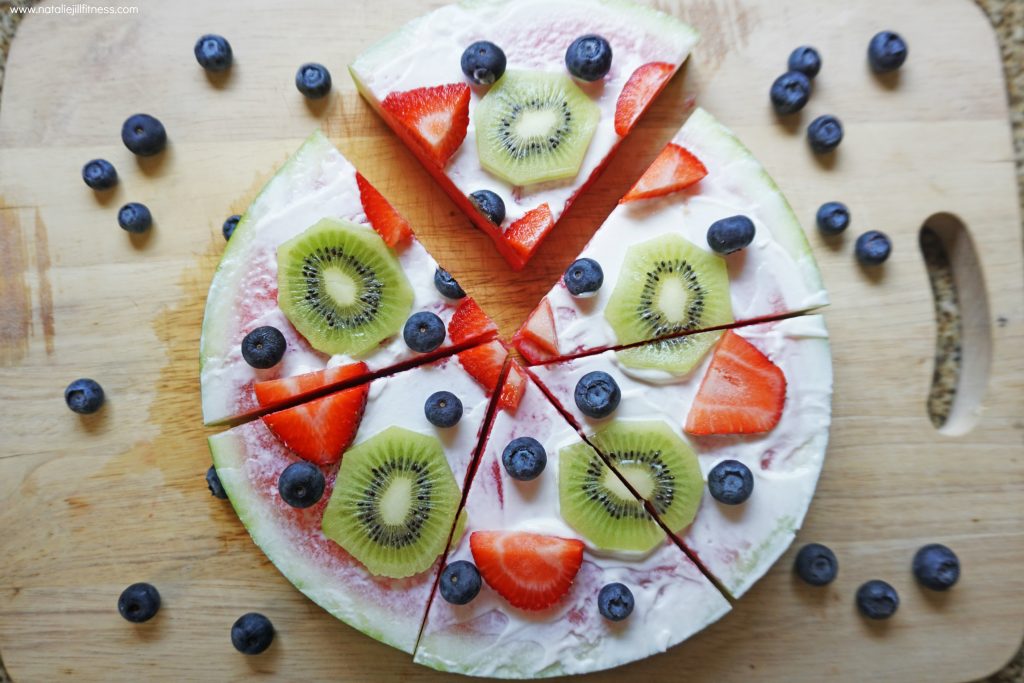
(89, 505)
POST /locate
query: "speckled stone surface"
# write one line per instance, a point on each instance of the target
(1007, 17)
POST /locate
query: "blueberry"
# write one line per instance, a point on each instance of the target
(99, 174)
(816, 564)
(597, 394)
(313, 80)
(936, 567)
(252, 633)
(886, 52)
(731, 234)
(589, 57)
(790, 92)
(301, 484)
(877, 599)
(873, 248)
(489, 204)
(524, 458)
(730, 482)
(615, 601)
(143, 135)
(447, 285)
(264, 347)
(825, 133)
(135, 217)
(84, 396)
(139, 602)
(583, 277)
(443, 409)
(213, 52)
(424, 332)
(213, 483)
(483, 62)
(460, 582)
(806, 60)
(833, 218)
(230, 223)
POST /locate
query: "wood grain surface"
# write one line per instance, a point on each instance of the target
(89, 505)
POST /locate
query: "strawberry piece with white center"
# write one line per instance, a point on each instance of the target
(434, 118)
(320, 430)
(672, 170)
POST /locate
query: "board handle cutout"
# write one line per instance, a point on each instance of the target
(963, 336)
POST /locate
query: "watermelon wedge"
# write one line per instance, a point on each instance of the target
(414, 80)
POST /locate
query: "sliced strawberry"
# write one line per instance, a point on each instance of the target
(485, 363)
(640, 90)
(742, 393)
(540, 328)
(513, 388)
(525, 235)
(674, 169)
(469, 322)
(321, 430)
(388, 223)
(274, 392)
(435, 117)
(531, 571)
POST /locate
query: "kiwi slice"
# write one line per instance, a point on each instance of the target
(676, 356)
(341, 287)
(658, 464)
(534, 126)
(595, 502)
(667, 286)
(394, 503)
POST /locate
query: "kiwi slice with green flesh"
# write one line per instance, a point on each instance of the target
(676, 356)
(595, 502)
(394, 503)
(534, 126)
(658, 464)
(667, 286)
(341, 287)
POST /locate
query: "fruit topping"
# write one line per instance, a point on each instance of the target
(936, 567)
(731, 234)
(134, 217)
(525, 235)
(436, 117)
(674, 169)
(512, 390)
(84, 396)
(320, 430)
(447, 285)
(139, 602)
(388, 223)
(276, 391)
(583, 278)
(640, 90)
(824, 134)
(143, 135)
(99, 174)
(228, 228)
(489, 204)
(540, 328)
(483, 62)
(313, 80)
(524, 458)
(531, 571)
(252, 633)
(424, 332)
(730, 482)
(816, 564)
(264, 347)
(469, 322)
(301, 484)
(832, 218)
(213, 52)
(443, 409)
(460, 582)
(615, 601)
(886, 52)
(485, 363)
(790, 92)
(806, 60)
(597, 394)
(877, 599)
(589, 57)
(213, 483)
(676, 356)
(873, 248)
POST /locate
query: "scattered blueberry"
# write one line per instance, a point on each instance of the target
(615, 601)
(301, 484)
(99, 174)
(489, 204)
(143, 135)
(886, 52)
(730, 482)
(424, 331)
(264, 347)
(790, 92)
(873, 248)
(936, 567)
(213, 52)
(447, 285)
(877, 599)
(816, 564)
(139, 602)
(524, 458)
(833, 218)
(806, 60)
(589, 57)
(443, 409)
(213, 483)
(597, 394)
(460, 582)
(313, 80)
(730, 234)
(825, 133)
(230, 223)
(583, 277)
(252, 633)
(483, 62)
(84, 396)
(135, 217)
